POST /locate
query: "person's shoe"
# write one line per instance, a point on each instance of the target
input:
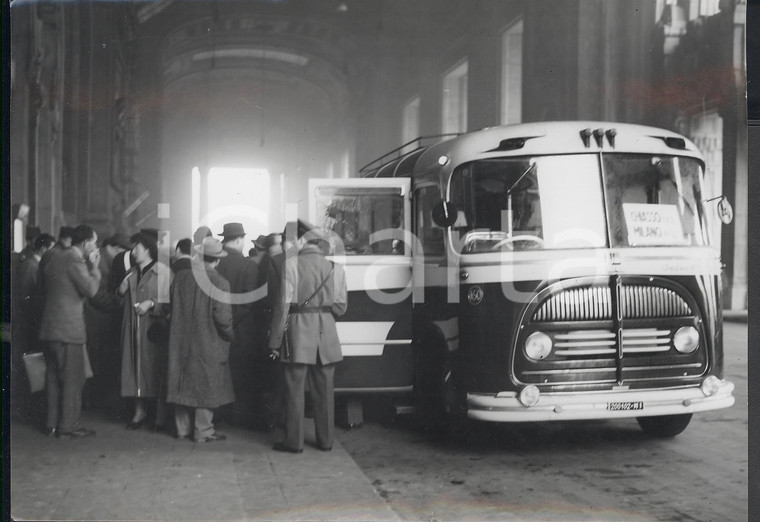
(212, 438)
(279, 446)
(76, 434)
(132, 425)
(51, 432)
(182, 437)
(324, 449)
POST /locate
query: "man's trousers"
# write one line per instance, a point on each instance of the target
(64, 382)
(322, 392)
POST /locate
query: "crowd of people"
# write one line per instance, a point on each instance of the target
(171, 339)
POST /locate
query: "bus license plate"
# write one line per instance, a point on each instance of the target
(625, 406)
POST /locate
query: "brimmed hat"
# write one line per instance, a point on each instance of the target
(232, 230)
(260, 242)
(119, 240)
(65, 231)
(151, 233)
(301, 228)
(211, 247)
(202, 232)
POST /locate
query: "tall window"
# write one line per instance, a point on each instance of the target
(511, 74)
(410, 125)
(455, 100)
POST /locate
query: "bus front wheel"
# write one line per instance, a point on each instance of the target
(664, 426)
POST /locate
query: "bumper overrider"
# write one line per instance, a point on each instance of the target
(529, 405)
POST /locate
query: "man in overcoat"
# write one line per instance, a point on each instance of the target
(312, 295)
(201, 329)
(70, 277)
(242, 275)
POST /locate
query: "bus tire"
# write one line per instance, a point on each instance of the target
(664, 426)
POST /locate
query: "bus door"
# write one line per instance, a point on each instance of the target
(367, 221)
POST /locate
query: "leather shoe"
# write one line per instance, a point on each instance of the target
(213, 437)
(279, 446)
(76, 434)
(182, 437)
(50, 432)
(324, 449)
(132, 425)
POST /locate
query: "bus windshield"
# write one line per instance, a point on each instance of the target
(557, 202)
(545, 202)
(654, 200)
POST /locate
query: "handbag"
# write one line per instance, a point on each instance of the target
(158, 331)
(36, 370)
(285, 349)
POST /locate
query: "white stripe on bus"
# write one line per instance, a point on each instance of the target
(366, 337)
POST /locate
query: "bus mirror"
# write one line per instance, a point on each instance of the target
(725, 210)
(444, 214)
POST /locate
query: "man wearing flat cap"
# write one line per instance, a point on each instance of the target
(242, 275)
(201, 329)
(312, 296)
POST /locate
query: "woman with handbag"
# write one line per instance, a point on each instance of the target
(144, 332)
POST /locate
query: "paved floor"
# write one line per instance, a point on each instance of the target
(142, 475)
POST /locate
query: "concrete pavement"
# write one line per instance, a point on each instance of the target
(142, 475)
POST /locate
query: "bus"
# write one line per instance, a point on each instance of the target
(545, 271)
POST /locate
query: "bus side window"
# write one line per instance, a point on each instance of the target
(428, 233)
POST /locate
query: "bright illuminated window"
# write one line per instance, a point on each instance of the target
(455, 100)
(511, 74)
(238, 195)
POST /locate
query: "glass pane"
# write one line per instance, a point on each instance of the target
(654, 201)
(548, 202)
(354, 213)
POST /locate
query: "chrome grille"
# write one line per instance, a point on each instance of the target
(641, 302)
(594, 303)
(586, 350)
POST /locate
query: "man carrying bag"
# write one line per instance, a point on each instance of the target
(312, 295)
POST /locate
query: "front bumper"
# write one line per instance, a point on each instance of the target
(506, 407)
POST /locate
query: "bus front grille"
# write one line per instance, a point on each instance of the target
(588, 349)
(594, 303)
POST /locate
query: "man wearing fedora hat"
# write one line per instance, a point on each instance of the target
(242, 275)
(201, 329)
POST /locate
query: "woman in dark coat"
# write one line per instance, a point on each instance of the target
(199, 376)
(143, 363)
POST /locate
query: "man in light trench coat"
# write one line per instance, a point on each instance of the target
(201, 330)
(312, 295)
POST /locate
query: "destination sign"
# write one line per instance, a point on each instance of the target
(653, 225)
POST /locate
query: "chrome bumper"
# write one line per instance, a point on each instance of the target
(506, 407)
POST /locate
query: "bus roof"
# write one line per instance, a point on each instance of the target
(532, 139)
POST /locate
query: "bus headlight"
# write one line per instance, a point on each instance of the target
(686, 339)
(538, 346)
(529, 396)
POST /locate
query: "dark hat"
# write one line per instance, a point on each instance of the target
(32, 231)
(300, 228)
(151, 233)
(232, 230)
(119, 240)
(65, 231)
(260, 242)
(200, 234)
(211, 247)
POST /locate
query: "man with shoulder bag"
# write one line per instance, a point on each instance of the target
(304, 337)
